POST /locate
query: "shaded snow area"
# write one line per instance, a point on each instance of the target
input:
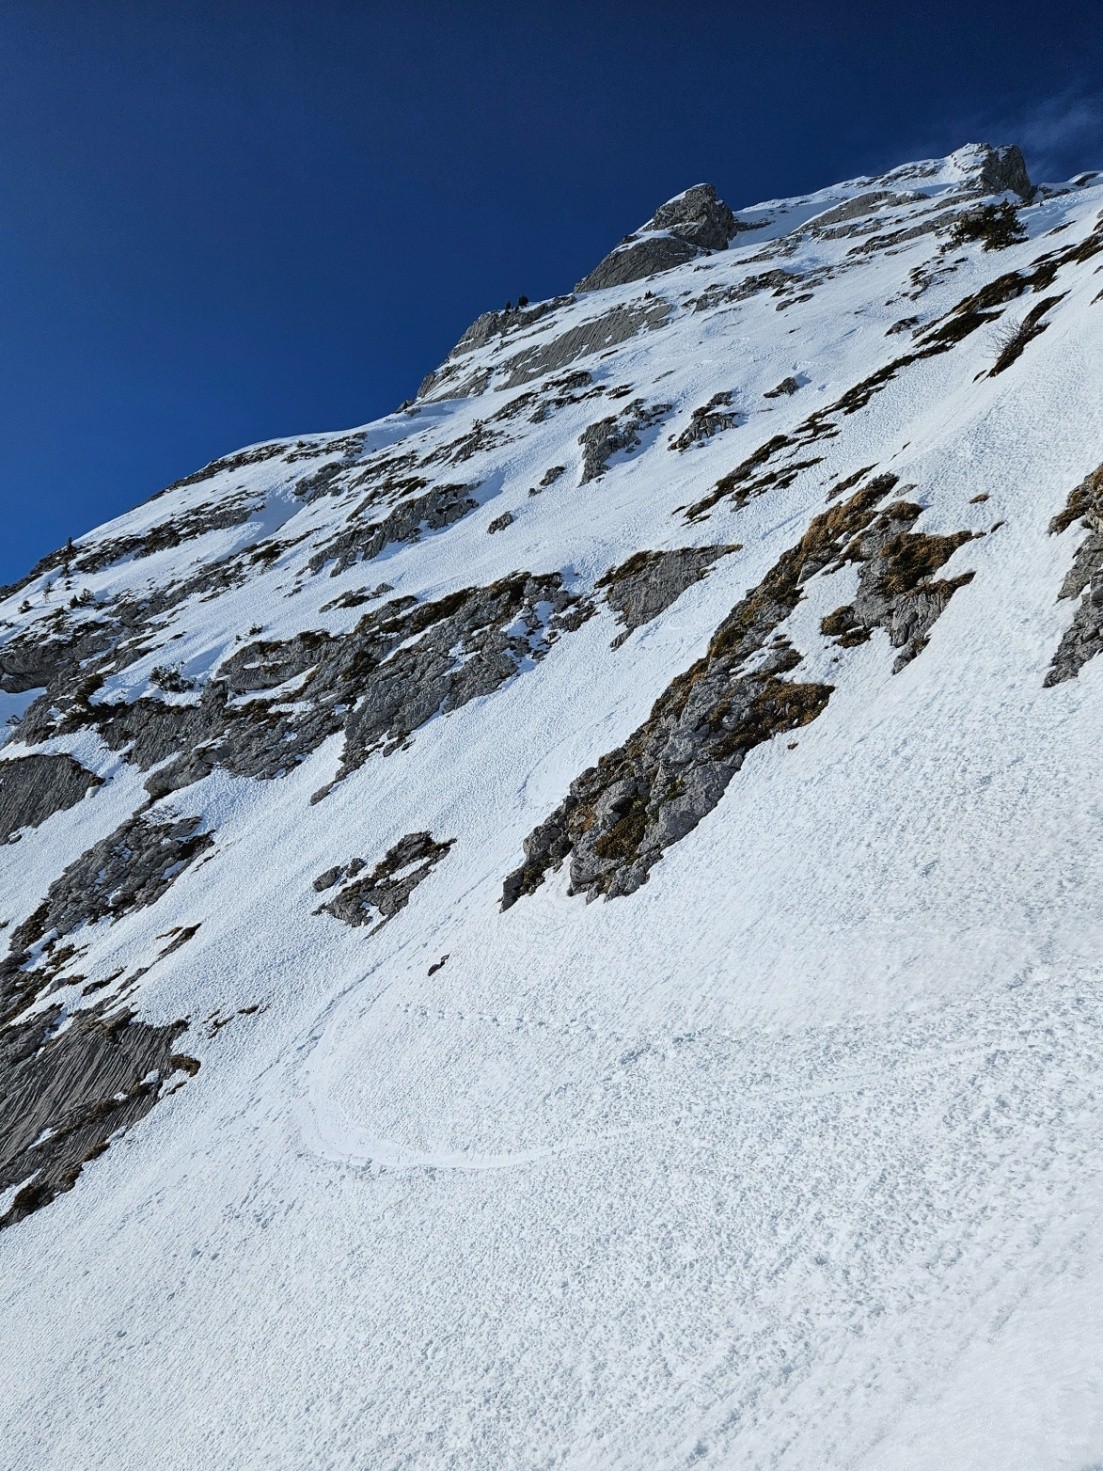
(623, 991)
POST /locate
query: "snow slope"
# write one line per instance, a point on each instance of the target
(789, 1155)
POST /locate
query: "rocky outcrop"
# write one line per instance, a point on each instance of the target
(435, 509)
(488, 327)
(66, 1092)
(232, 511)
(597, 334)
(772, 464)
(274, 702)
(33, 788)
(644, 586)
(785, 389)
(718, 294)
(693, 223)
(129, 869)
(896, 590)
(1015, 342)
(620, 815)
(858, 208)
(1003, 170)
(707, 420)
(609, 436)
(1084, 637)
(382, 893)
(456, 378)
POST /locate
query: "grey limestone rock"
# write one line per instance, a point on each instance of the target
(382, 893)
(636, 261)
(896, 586)
(1083, 639)
(551, 475)
(449, 378)
(857, 208)
(433, 510)
(785, 389)
(644, 586)
(718, 294)
(601, 441)
(594, 335)
(707, 420)
(697, 215)
(33, 788)
(1003, 170)
(66, 1092)
(620, 815)
(229, 512)
(129, 869)
(693, 223)
(498, 324)
(402, 664)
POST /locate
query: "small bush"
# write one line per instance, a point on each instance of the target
(170, 680)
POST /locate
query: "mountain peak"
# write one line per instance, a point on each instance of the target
(562, 925)
(995, 169)
(695, 222)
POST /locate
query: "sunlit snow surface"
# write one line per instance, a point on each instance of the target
(789, 1159)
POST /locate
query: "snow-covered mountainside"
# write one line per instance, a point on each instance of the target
(562, 928)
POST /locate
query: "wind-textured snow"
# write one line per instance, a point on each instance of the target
(790, 1157)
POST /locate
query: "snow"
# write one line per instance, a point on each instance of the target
(791, 1158)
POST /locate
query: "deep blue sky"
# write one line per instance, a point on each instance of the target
(233, 221)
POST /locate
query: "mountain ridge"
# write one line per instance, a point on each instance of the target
(754, 596)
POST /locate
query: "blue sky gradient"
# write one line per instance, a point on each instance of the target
(229, 222)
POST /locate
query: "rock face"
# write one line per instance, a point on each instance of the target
(398, 667)
(708, 419)
(1084, 637)
(486, 328)
(621, 814)
(287, 740)
(33, 788)
(65, 1093)
(856, 208)
(693, 223)
(598, 334)
(128, 870)
(1004, 170)
(432, 511)
(609, 436)
(896, 590)
(648, 583)
(385, 891)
